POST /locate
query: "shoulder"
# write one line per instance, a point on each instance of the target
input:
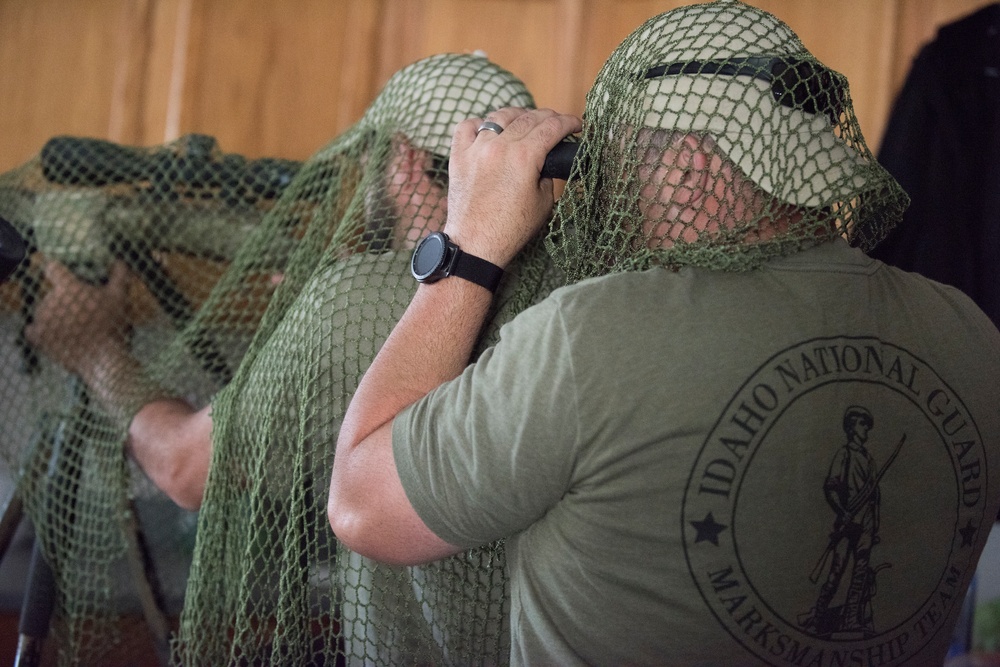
(572, 310)
(372, 287)
(624, 290)
(941, 299)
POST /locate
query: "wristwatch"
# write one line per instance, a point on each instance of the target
(436, 257)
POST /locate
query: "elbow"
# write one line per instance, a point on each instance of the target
(172, 443)
(344, 509)
(185, 487)
(344, 523)
(182, 476)
(333, 515)
(187, 499)
(351, 532)
(349, 520)
(338, 514)
(371, 535)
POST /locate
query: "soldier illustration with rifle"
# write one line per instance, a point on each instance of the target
(852, 491)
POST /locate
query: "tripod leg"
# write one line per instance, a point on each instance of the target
(145, 582)
(13, 511)
(40, 587)
(36, 610)
(37, 603)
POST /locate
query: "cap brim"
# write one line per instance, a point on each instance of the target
(789, 153)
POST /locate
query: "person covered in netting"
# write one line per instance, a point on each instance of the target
(268, 583)
(175, 213)
(653, 442)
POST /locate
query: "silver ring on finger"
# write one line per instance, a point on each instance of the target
(488, 125)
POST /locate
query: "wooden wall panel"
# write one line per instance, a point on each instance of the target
(268, 78)
(142, 73)
(57, 71)
(532, 38)
(156, 115)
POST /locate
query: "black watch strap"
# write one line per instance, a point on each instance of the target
(476, 269)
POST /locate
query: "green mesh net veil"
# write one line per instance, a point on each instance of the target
(732, 144)
(264, 287)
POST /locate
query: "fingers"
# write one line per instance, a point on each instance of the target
(497, 198)
(64, 282)
(75, 320)
(465, 134)
(471, 128)
(507, 118)
(543, 127)
(118, 278)
(57, 273)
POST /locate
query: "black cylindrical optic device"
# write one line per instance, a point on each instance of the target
(559, 161)
(12, 249)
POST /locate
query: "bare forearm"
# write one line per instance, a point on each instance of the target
(84, 328)
(167, 437)
(172, 442)
(116, 380)
(431, 344)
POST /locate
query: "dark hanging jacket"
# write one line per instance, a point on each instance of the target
(942, 143)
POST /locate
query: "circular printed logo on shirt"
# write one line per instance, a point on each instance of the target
(799, 511)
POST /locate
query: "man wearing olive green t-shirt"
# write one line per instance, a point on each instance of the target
(655, 441)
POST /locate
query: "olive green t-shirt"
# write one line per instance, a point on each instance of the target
(791, 466)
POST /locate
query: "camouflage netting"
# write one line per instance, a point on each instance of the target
(176, 214)
(718, 111)
(264, 287)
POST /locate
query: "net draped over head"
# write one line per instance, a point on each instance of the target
(713, 138)
(302, 296)
(263, 529)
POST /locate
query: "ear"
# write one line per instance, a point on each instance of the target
(694, 158)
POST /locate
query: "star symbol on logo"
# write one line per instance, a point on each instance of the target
(708, 529)
(968, 533)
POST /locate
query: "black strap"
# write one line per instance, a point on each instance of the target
(476, 269)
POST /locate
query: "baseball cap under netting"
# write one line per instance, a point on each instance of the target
(715, 127)
(265, 287)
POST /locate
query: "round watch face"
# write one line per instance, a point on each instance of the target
(429, 257)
